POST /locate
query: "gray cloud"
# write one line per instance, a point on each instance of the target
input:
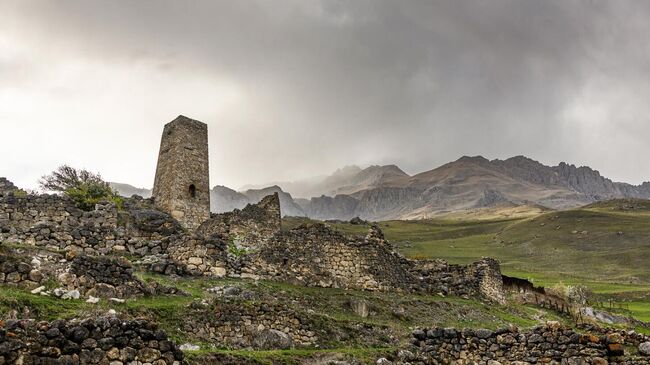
(298, 88)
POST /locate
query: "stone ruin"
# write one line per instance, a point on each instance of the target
(551, 343)
(103, 340)
(247, 243)
(182, 187)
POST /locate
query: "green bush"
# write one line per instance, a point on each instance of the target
(85, 188)
(86, 195)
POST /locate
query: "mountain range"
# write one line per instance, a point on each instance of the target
(467, 184)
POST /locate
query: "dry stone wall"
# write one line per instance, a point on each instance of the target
(15, 271)
(547, 344)
(315, 255)
(108, 277)
(104, 340)
(239, 318)
(248, 228)
(54, 222)
(250, 325)
(251, 244)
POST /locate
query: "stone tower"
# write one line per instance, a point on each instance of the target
(182, 186)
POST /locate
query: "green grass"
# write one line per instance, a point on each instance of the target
(294, 356)
(594, 245)
(641, 310)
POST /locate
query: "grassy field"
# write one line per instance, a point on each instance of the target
(605, 246)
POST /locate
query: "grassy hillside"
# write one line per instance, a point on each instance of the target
(605, 246)
(326, 307)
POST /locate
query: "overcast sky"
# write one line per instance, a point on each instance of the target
(295, 88)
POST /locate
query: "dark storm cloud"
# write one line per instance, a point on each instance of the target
(323, 84)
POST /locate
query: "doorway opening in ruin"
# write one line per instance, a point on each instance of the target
(193, 191)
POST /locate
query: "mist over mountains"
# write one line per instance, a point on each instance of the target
(387, 192)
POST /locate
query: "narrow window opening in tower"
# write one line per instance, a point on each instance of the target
(193, 191)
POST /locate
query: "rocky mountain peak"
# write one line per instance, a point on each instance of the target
(479, 160)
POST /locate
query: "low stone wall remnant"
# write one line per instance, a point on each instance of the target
(548, 344)
(103, 340)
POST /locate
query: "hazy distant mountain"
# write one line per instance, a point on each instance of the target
(465, 184)
(128, 190)
(314, 186)
(288, 206)
(469, 183)
(224, 199)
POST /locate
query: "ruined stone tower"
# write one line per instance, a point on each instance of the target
(182, 186)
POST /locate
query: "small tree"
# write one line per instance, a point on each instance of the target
(84, 187)
(66, 177)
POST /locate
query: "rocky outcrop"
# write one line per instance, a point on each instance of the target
(288, 206)
(100, 340)
(224, 199)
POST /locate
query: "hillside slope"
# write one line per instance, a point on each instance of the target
(603, 242)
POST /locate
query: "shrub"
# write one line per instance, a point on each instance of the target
(87, 195)
(85, 188)
(579, 294)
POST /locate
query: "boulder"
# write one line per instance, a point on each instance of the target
(150, 220)
(359, 307)
(102, 290)
(189, 347)
(270, 339)
(644, 349)
(72, 294)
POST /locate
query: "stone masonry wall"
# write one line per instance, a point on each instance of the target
(250, 244)
(108, 277)
(54, 222)
(101, 340)
(181, 187)
(315, 255)
(248, 228)
(242, 325)
(547, 344)
(15, 271)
